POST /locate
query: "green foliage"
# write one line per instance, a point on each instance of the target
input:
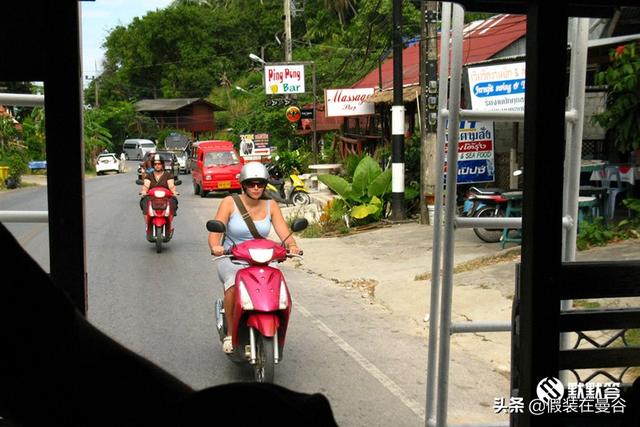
(596, 233)
(96, 138)
(366, 195)
(331, 221)
(287, 162)
(622, 116)
(350, 164)
(121, 120)
(186, 49)
(33, 134)
(8, 131)
(14, 155)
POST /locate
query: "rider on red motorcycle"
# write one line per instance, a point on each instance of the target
(159, 178)
(264, 213)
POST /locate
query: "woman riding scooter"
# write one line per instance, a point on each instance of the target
(264, 213)
(159, 178)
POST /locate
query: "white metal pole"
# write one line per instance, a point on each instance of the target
(450, 206)
(573, 153)
(22, 100)
(436, 257)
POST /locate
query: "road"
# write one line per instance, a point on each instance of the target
(364, 360)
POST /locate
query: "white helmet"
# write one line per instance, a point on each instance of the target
(254, 171)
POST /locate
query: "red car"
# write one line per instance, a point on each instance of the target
(215, 166)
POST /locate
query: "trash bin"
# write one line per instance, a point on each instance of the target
(4, 173)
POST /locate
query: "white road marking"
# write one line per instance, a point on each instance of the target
(387, 382)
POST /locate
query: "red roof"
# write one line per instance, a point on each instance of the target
(482, 40)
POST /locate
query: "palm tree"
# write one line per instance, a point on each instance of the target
(342, 8)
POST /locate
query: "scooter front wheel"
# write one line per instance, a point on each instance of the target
(300, 198)
(158, 234)
(264, 369)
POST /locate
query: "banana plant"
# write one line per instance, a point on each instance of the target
(365, 195)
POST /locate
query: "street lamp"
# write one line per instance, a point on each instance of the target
(241, 89)
(256, 58)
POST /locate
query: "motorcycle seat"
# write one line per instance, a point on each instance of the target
(487, 191)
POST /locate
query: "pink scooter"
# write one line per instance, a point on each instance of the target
(262, 303)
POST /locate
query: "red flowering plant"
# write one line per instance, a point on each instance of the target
(622, 115)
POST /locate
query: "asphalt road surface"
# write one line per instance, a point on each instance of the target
(161, 306)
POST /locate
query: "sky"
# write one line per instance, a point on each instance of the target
(99, 17)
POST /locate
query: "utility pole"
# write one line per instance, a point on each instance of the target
(428, 106)
(397, 119)
(288, 54)
(95, 81)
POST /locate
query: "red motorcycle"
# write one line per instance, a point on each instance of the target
(159, 216)
(262, 303)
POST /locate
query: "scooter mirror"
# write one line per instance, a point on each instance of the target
(216, 226)
(177, 182)
(139, 182)
(299, 224)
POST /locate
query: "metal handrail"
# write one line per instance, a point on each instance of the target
(24, 216)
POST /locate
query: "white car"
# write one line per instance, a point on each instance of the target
(108, 162)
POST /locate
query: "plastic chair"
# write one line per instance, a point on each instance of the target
(611, 181)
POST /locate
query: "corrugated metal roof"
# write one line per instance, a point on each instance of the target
(482, 40)
(171, 104)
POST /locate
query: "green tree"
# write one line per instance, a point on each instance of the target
(8, 131)
(622, 115)
(96, 137)
(34, 134)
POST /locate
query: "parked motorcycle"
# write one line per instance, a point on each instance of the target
(485, 202)
(297, 194)
(262, 303)
(158, 215)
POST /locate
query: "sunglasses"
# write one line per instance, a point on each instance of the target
(259, 184)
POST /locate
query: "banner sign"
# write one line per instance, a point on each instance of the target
(283, 79)
(475, 152)
(497, 87)
(348, 102)
(254, 146)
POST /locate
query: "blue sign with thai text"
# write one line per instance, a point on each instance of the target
(499, 88)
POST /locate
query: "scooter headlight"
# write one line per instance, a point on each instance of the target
(284, 296)
(261, 255)
(160, 194)
(245, 299)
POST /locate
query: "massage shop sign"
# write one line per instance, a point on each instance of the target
(497, 87)
(348, 102)
(283, 79)
(475, 152)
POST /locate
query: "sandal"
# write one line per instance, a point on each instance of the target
(227, 345)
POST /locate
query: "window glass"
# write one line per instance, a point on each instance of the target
(221, 158)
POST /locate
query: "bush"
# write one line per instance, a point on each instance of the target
(365, 197)
(17, 161)
(596, 233)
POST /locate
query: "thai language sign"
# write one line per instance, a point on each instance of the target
(254, 146)
(348, 102)
(283, 79)
(497, 87)
(475, 152)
